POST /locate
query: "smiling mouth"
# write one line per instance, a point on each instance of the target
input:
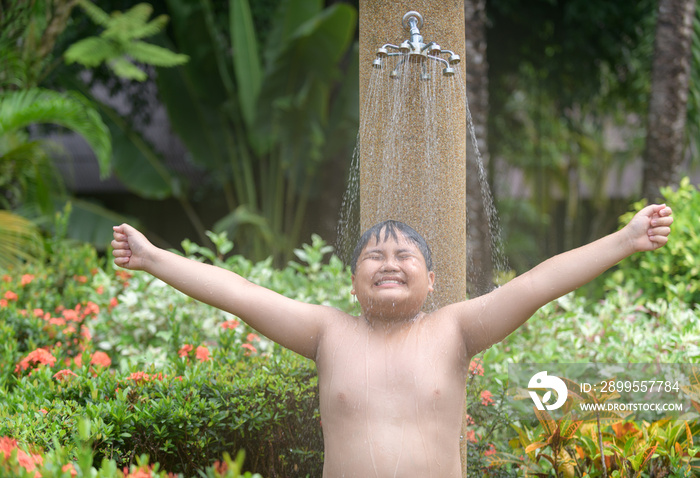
(389, 281)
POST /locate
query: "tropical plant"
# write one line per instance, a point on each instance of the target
(25, 167)
(28, 35)
(120, 45)
(262, 122)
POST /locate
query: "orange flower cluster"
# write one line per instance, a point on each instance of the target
(63, 374)
(7, 298)
(143, 471)
(475, 367)
(230, 324)
(28, 461)
(201, 353)
(143, 377)
(486, 398)
(37, 357)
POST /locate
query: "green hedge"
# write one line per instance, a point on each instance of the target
(185, 383)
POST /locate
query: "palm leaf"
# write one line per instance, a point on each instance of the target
(246, 59)
(136, 15)
(123, 68)
(95, 13)
(155, 55)
(91, 51)
(19, 109)
(151, 28)
(19, 240)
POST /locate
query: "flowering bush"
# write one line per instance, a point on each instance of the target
(157, 374)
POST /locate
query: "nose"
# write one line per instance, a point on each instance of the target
(390, 264)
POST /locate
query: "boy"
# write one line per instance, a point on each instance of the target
(391, 381)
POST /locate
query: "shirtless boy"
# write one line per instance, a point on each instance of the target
(391, 381)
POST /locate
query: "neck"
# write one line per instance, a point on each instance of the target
(392, 322)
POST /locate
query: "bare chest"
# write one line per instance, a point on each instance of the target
(369, 375)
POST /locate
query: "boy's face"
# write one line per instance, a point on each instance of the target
(391, 278)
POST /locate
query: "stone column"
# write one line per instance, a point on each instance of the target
(398, 180)
(413, 138)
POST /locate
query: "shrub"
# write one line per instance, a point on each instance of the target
(188, 383)
(157, 374)
(672, 271)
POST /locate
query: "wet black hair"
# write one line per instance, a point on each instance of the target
(390, 228)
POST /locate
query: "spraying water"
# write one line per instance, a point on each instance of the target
(410, 89)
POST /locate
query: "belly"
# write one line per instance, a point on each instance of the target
(404, 424)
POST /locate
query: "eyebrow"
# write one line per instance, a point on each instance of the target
(377, 250)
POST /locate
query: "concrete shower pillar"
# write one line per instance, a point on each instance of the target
(398, 180)
(440, 213)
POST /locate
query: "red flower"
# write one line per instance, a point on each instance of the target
(101, 359)
(142, 377)
(139, 377)
(486, 397)
(39, 356)
(471, 436)
(27, 461)
(491, 450)
(85, 333)
(184, 350)
(81, 279)
(202, 354)
(230, 324)
(69, 467)
(63, 374)
(91, 308)
(9, 295)
(252, 337)
(26, 279)
(249, 349)
(57, 321)
(475, 367)
(70, 314)
(3, 303)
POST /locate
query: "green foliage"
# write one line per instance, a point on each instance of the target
(186, 384)
(568, 76)
(262, 122)
(120, 45)
(671, 272)
(574, 329)
(19, 240)
(19, 109)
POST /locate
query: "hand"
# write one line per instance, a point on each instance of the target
(131, 248)
(649, 228)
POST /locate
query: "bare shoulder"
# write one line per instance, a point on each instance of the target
(471, 320)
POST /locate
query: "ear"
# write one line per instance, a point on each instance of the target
(352, 278)
(431, 281)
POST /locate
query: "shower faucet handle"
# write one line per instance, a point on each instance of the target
(406, 21)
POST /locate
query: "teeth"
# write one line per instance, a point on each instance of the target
(389, 282)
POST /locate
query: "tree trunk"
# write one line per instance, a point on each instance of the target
(669, 94)
(478, 197)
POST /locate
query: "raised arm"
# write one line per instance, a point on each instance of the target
(292, 324)
(490, 318)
